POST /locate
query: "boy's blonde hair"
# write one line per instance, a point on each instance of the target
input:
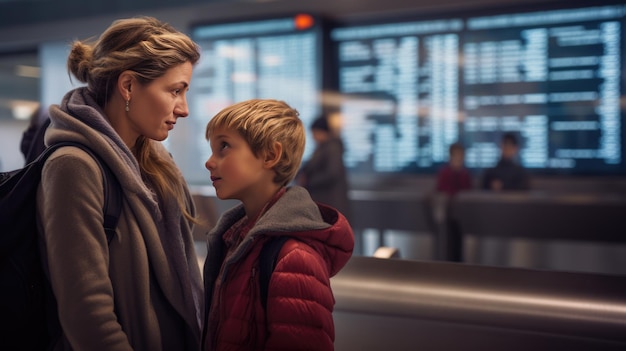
(261, 122)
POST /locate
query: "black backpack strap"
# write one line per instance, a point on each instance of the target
(267, 263)
(112, 200)
(112, 191)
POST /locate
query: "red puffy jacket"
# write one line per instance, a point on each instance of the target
(300, 300)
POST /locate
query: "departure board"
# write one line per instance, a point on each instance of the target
(401, 89)
(277, 58)
(554, 77)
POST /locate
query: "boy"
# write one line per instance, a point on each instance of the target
(257, 147)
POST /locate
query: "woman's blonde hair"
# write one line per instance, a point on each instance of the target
(148, 47)
(261, 122)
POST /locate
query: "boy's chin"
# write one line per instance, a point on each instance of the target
(223, 196)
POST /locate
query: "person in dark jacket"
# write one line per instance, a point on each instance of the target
(508, 174)
(257, 146)
(324, 174)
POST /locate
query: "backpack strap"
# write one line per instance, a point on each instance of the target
(112, 200)
(112, 190)
(267, 263)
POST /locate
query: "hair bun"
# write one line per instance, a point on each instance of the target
(79, 60)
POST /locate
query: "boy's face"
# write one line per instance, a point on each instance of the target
(236, 172)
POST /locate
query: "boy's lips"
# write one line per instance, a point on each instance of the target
(214, 179)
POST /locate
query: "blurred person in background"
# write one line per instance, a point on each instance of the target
(454, 177)
(32, 142)
(324, 174)
(508, 174)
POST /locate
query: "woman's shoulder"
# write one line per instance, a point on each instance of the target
(72, 161)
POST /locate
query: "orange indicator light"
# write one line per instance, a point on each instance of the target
(303, 21)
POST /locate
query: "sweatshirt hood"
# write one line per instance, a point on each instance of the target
(296, 215)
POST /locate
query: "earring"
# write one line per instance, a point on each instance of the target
(127, 107)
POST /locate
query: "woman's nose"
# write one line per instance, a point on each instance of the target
(181, 109)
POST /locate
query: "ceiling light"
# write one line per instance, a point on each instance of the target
(27, 71)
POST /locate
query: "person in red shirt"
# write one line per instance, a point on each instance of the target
(454, 177)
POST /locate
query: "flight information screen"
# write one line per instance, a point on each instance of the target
(278, 58)
(553, 77)
(401, 87)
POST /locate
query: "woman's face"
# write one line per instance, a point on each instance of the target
(155, 107)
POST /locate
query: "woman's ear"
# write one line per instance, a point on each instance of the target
(273, 155)
(124, 84)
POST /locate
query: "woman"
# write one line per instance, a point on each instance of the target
(143, 290)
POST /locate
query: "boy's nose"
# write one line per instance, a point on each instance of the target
(209, 164)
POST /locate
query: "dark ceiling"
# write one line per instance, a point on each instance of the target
(23, 88)
(25, 12)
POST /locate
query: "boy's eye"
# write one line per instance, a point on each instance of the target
(224, 145)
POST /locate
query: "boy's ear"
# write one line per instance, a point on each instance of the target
(273, 155)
